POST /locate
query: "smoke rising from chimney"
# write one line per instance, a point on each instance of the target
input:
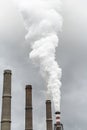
(43, 21)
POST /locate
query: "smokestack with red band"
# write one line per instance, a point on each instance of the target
(28, 109)
(48, 115)
(58, 125)
(57, 117)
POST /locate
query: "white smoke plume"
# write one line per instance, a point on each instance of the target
(43, 22)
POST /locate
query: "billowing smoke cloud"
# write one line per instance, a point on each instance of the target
(43, 22)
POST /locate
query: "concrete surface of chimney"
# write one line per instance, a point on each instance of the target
(48, 115)
(6, 102)
(28, 108)
(58, 127)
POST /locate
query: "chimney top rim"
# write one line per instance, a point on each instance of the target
(48, 101)
(7, 71)
(28, 86)
(57, 112)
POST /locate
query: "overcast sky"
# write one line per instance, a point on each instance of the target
(71, 56)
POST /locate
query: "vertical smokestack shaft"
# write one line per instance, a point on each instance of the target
(28, 109)
(57, 117)
(58, 128)
(58, 125)
(48, 115)
(6, 102)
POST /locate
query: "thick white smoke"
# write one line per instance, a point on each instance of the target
(43, 22)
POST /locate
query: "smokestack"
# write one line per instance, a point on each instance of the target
(28, 108)
(6, 102)
(58, 125)
(48, 115)
(57, 117)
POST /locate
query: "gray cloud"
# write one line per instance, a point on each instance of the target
(71, 56)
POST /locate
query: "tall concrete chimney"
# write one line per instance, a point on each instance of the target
(6, 102)
(28, 108)
(48, 115)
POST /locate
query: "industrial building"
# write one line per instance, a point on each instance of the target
(6, 107)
